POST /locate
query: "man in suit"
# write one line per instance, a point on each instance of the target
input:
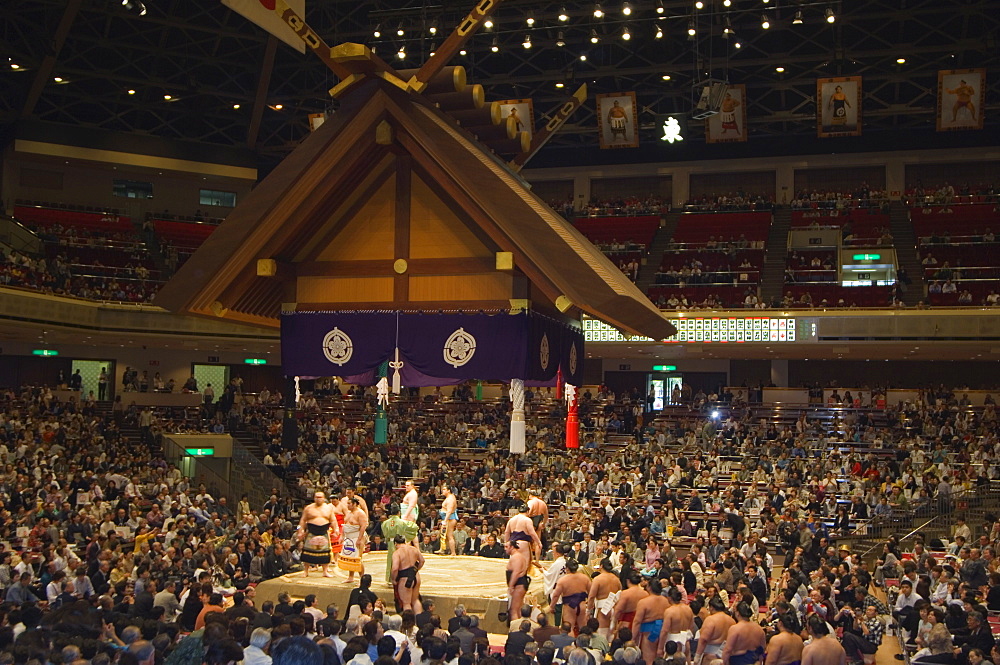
(579, 554)
(518, 639)
(492, 549)
(473, 544)
(425, 616)
(143, 605)
(455, 622)
(99, 579)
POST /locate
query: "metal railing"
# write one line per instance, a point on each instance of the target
(19, 237)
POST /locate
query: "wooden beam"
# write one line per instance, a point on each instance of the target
(401, 221)
(260, 97)
(429, 306)
(44, 74)
(384, 267)
(313, 41)
(453, 44)
(540, 137)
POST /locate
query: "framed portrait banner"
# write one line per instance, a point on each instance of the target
(523, 111)
(729, 125)
(618, 120)
(838, 106)
(961, 93)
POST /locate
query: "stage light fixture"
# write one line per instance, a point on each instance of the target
(830, 16)
(593, 37)
(764, 23)
(692, 31)
(530, 20)
(527, 41)
(627, 9)
(779, 69)
(598, 12)
(626, 35)
(900, 61)
(563, 16)
(659, 32)
(496, 45)
(488, 24)
(798, 18)
(560, 84)
(560, 39)
(377, 32)
(399, 31)
(401, 53)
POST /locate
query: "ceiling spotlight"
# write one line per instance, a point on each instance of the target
(830, 17)
(433, 29)
(496, 45)
(779, 69)
(563, 16)
(463, 52)
(399, 31)
(699, 5)
(627, 9)
(433, 49)
(583, 57)
(278, 107)
(900, 61)
(15, 66)
(593, 37)
(598, 12)
(58, 79)
(764, 23)
(530, 20)
(737, 45)
(377, 32)
(659, 7)
(560, 40)
(236, 107)
(401, 53)
(691, 29)
(659, 32)
(142, 9)
(560, 85)
(131, 92)
(167, 97)
(626, 35)
(727, 28)
(665, 77)
(527, 41)
(798, 18)
(727, 3)
(488, 24)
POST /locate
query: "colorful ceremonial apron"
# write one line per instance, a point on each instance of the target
(350, 552)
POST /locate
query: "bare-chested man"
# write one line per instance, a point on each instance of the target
(713, 634)
(785, 648)
(745, 640)
(538, 511)
(407, 561)
(356, 515)
(572, 589)
(678, 623)
(604, 593)
(339, 512)
(351, 494)
(635, 591)
(520, 532)
(648, 622)
(449, 516)
(315, 528)
(409, 508)
(824, 649)
(517, 579)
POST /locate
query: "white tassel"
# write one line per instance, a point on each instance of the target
(570, 392)
(396, 365)
(383, 392)
(517, 424)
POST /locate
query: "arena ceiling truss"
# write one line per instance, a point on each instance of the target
(195, 70)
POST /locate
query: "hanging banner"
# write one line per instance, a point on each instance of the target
(434, 348)
(960, 99)
(729, 125)
(350, 553)
(838, 106)
(618, 120)
(262, 13)
(522, 111)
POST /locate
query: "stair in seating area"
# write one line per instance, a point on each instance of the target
(654, 257)
(905, 242)
(772, 277)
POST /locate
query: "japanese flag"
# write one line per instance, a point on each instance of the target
(262, 13)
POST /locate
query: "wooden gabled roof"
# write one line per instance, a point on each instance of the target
(319, 186)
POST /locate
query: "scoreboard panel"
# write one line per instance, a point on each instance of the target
(737, 330)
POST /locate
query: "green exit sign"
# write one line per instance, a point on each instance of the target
(867, 257)
(44, 352)
(254, 361)
(664, 368)
(200, 452)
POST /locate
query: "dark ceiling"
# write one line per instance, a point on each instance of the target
(210, 60)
